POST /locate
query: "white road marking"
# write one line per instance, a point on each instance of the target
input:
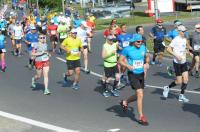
(150, 86)
(113, 130)
(35, 123)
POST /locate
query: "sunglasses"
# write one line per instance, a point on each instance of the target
(198, 28)
(42, 37)
(139, 41)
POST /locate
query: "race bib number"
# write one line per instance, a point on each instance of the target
(3, 50)
(137, 64)
(53, 32)
(125, 43)
(196, 47)
(74, 51)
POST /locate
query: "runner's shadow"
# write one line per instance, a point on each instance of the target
(63, 84)
(39, 87)
(171, 95)
(193, 108)
(120, 113)
(99, 87)
(163, 74)
(197, 89)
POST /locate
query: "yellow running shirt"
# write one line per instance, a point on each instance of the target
(72, 45)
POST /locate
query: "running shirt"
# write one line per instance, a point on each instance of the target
(123, 40)
(73, 45)
(179, 48)
(135, 57)
(33, 38)
(110, 61)
(77, 23)
(2, 42)
(159, 33)
(172, 33)
(52, 29)
(18, 32)
(82, 34)
(11, 28)
(62, 30)
(196, 41)
(40, 48)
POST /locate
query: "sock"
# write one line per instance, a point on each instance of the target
(115, 84)
(3, 64)
(173, 84)
(183, 87)
(30, 61)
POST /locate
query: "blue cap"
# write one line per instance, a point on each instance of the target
(136, 37)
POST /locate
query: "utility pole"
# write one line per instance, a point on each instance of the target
(37, 4)
(63, 6)
(156, 9)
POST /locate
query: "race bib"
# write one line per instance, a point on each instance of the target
(74, 51)
(196, 47)
(3, 29)
(125, 43)
(43, 27)
(3, 50)
(44, 57)
(137, 64)
(53, 32)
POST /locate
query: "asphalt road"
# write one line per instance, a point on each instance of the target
(87, 110)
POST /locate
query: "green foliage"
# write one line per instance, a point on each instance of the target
(50, 3)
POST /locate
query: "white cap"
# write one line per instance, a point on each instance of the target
(182, 28)
(73, 31)
(197, 25)
(52, 21)
(39, 23)
(84, 23)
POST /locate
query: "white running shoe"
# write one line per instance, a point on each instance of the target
(182, 98)
(165, 91)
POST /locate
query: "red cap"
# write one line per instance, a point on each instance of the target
(159, 21)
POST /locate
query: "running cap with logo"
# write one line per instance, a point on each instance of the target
(110, 37)
(178, 22)
(182, 28)
(32, 27)
(136, 37)
(197, 25)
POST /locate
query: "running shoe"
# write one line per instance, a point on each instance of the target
(124, 107)
(33, 83)
(153, 63)
(165, 91)
(87, 71)
(47, 92)
(76, 86)
(170, 71)
(182, 98)
(115, 92)
(65, 78)
(197, 75)
(106, 94)
(143, 121)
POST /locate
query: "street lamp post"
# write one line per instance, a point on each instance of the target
(63, 6)
(156, 9)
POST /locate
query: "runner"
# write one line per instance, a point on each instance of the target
(2, 51)
(40, 52)
(72, 45)
(18, 34)
(62, 30)
(91, 27)
(83, 34)
(30, 39)
(195, 41)
(109, 55)
(158, 34)
(135, 54)
(52, 28)
(178, 48)
(10, 33)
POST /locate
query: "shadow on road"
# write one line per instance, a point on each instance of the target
(193, 108)
(163, 74)
(120, 113)
(39, 87)
(63, 84)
